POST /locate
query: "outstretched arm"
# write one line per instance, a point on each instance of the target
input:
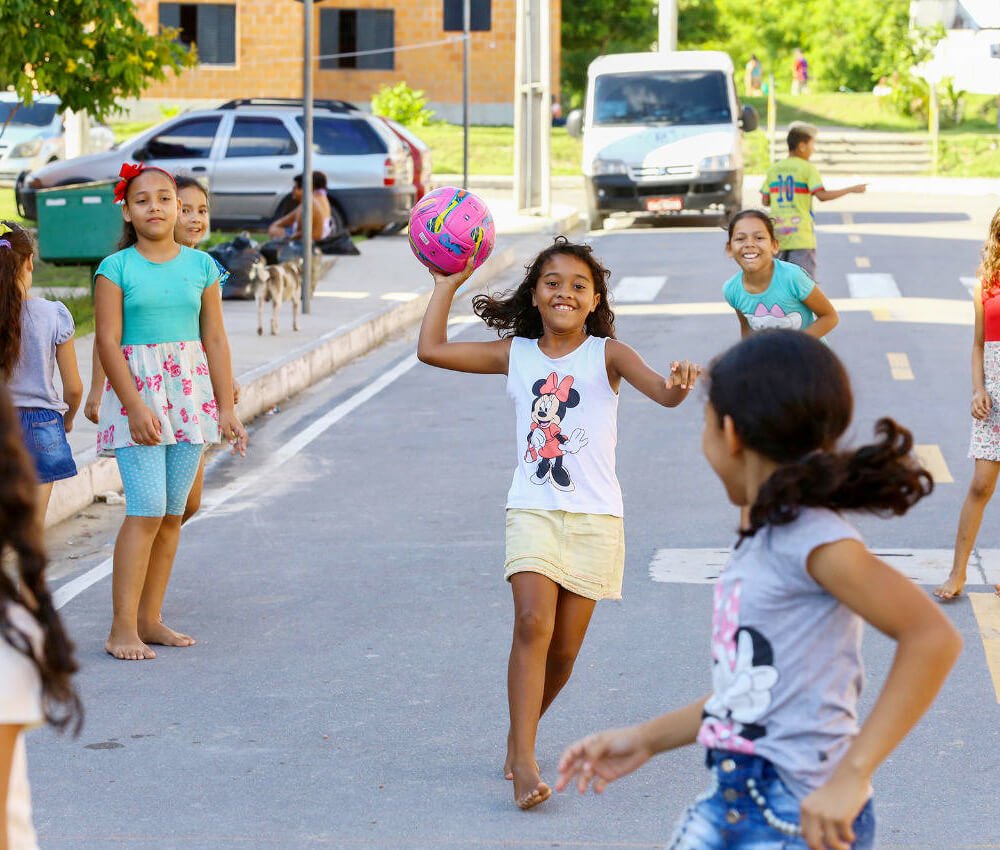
(433, 348)
(623, 361)
(833, 194)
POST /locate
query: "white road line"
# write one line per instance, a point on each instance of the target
(924, 566)
(969, 283)
(637, 289)
(216, 498)
(873, 285)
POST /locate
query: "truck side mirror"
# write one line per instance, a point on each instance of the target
(574, 123)
(748, 119)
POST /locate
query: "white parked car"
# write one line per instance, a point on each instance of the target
(32, 136)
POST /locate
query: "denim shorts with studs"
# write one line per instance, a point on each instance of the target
(748, 807)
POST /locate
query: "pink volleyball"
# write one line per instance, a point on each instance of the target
(449, 225)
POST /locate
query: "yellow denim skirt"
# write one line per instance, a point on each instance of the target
(584, 553)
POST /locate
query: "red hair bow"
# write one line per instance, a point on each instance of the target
(560, 390)
(128, 171)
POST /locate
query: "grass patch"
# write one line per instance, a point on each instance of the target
(82, 311)
(969, 155)
(491, 149)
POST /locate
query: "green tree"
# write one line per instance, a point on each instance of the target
(90, 53)
(592, 28)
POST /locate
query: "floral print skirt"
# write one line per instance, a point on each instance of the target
(173, 380)
(985, 442)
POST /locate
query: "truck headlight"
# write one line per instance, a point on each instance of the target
(26, 149)
(716, 163)
(609, 166)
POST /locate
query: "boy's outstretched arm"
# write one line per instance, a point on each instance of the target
(600, 759)
(833, 194)
(433, 348)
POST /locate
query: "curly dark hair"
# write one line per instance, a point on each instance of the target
(21, 534)
(16, 248)
(513, 314)
(790, 400)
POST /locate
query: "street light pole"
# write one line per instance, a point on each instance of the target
(466, 30)
(307, 165)
(667, 14)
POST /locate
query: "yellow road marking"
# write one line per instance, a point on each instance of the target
(854, 239)
(862, 262)
(986, 607)
(930, 457)
(899, 366)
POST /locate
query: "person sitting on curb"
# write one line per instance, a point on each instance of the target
(290, 225)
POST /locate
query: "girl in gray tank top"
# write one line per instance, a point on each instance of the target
(791, 768)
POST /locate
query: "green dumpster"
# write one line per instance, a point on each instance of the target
(78, 224)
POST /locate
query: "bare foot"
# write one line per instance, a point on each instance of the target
(950, 589)
(165, 636)
(128, 648)
(529, 789)
(508, 771)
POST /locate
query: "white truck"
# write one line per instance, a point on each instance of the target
(662, 135)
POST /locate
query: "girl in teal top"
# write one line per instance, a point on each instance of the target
(769, 293)
(169, 392)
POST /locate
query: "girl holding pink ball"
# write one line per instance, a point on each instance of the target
(565, 545)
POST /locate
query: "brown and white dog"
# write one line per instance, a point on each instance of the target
(278, 283)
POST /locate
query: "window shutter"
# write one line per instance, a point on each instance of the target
(170, 15)
(216, 38)
(479, 16)
(329, 36)
(376, 31)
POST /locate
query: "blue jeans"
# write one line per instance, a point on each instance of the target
(748, 807)
(45, 438)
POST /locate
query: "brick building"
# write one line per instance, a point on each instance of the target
(253, 48)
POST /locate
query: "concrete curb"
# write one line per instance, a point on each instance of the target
(274, 382)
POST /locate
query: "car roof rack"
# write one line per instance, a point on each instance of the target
(332, 105)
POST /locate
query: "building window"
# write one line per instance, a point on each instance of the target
(355, 31)
(209, 26)
(479, 15)
(260, 137)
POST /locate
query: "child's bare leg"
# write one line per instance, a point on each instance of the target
(535, 598)
(131, 560)
(194, 497)
(42, 503)
(984, 482)
(573, 615)
(161, 562)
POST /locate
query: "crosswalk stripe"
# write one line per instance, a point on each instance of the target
(899, 366)
(924, 566)
(969, 283)
(873, 285)
(986, 607)
(933, 461)
(638, 289)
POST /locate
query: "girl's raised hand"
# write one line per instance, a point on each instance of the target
(453, 280)
(683, 374)
(827, 815)
(143, 426)
(981, 404)
(602, 758)
(232, 429)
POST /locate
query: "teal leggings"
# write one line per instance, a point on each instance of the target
(157, 479)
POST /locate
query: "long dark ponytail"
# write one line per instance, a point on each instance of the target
(16, 248)
(790, 400)
(21, 534)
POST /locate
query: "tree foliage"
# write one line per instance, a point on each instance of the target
(849, 43)
(90, 53)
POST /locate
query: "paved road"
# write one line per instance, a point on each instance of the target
(348, 687)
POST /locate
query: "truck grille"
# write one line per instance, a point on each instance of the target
(645, 172)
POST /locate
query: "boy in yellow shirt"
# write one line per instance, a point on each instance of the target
(789, 187)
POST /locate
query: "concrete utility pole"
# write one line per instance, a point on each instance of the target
(668, 25)
(532, 107)
(307, 165)
(466, 50)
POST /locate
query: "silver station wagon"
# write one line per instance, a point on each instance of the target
(249, 151)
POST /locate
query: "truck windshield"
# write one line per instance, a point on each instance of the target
(36, 115)
(662, 97)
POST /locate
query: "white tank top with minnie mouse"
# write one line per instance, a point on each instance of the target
(567, 430)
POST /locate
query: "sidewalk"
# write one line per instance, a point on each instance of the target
(358, 303)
